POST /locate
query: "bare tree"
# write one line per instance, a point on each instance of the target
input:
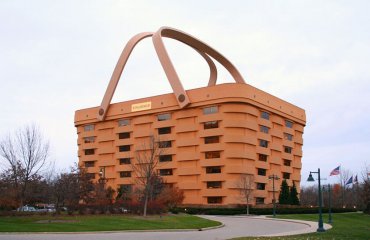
(245, 185)
(144, 167)
(25, 154)
(366, 188)
(309, 195)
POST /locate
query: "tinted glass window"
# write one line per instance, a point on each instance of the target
(212, 154)
(88, 128)
(264, 143)
(261, 172)
(125, 161)
(164, 117)
(123, 135)
(124, 148)
(211, 124)
(165, 158)
(164, 144)
(288, 124)
(265, 115)
(212, 139)
(165, 172)
(210, 110)
(89, 151)
(164, 130)
(213, 170)
(124, 122)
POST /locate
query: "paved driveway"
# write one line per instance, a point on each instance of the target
(235, 226)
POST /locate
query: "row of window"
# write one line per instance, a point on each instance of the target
(127, 189)
(263, 157)
(209, 170)
(168, 158)
(206, 111)
(218, 200)
(262, 172)
(160, 117)
(207, 125)
(207, 140)
(287, 136)
(266, 115)
(265, 144)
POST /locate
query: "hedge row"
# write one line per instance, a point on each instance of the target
(256, 211)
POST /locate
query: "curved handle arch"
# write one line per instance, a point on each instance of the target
(122, 63)
(181, 96)
(203, 49)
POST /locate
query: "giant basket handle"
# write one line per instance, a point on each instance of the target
(181, 96)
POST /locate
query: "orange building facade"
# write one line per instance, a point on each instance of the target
(208, 145)
(210, 136)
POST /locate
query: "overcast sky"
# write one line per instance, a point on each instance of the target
(58, 56)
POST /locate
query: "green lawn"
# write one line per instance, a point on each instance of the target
(351, 226)
(101, 223)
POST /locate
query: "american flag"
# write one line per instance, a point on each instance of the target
(335, 171)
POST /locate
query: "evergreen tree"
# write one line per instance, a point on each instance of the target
(284, 195)
(294, 195)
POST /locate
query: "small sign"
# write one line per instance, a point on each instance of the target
(141, 106)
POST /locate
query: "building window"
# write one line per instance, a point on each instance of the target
(265, 115)
(88, 128)
(165, 172)
(124, 161)
(260, 200)
(164, 130)
(288, 124)
(164, 144)
(124, 135)
(90, 175)
(216, 184)
(164, 117)
(210, 110)
(214, 200)
(287, 149)
(124, 148)
(288, 136)
(212, 139)
(89, 164)
(124, 122)
(165, 158)
(287, 162)
(264, 143)
(212, 170)
(89, 151)
(262, 157)
(212, 154)
(125, 174)
(211, 124)
(261, 171)
(89, 139)
(126, 188)
(264, 129)
(261, 186)
(286, 175)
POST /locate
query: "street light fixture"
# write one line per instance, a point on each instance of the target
(311, 179)
(273, 177)
(102, 178)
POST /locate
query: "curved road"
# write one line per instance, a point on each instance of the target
(235, 226)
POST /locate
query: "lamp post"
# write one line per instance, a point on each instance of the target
(102, 180)
(330, 218)
(311, 179)
(273, 177)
